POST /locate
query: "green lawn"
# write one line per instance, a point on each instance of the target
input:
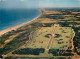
(39, 40)
(62, 39)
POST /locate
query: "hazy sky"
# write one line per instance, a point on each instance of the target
(39, 3)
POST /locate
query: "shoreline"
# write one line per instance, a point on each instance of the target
(17, 26)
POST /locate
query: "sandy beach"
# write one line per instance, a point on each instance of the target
(12, 28)
(16, 27)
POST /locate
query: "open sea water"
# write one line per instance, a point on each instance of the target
(13, 17)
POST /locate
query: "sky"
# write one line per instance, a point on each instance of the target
(38, 3)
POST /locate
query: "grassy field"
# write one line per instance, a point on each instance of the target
(63, 38)
(43, 38)
(39, 39)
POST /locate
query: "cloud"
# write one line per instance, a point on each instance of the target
(40, 3)
(78, 0)
(22, 0)
(2, 0)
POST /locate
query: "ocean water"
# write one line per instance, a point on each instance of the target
(13, 17)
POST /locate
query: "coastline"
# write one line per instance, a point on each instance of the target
(17, 26)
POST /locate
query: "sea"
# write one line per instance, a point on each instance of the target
(13, 17)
